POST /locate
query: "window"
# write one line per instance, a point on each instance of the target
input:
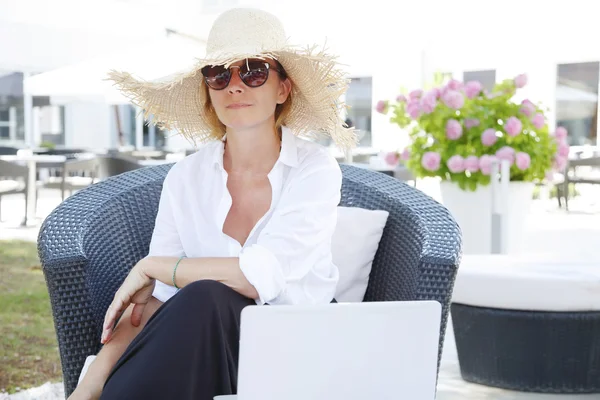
(6, 122)
(359, 97)
(152, 136)
(487, 78)
(577, 101)
(51, 124)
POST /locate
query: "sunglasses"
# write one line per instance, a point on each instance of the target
(253, 73)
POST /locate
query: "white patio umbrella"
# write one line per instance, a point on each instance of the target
(87, 79)
(40, 35)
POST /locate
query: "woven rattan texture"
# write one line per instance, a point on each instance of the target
(532, 351)
(90, 242)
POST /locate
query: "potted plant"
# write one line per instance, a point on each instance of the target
(457, 130)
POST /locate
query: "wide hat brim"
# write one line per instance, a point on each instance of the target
(177, 103)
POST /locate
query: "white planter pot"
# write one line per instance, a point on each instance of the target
(473, 213)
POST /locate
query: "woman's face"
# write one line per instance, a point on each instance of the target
(240, 106)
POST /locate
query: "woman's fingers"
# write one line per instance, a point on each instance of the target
(134, 284)
(136, 314)
(116, 308)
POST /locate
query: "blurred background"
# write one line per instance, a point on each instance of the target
(63, 128)
(54, 54)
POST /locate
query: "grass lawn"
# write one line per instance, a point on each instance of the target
(28, 346)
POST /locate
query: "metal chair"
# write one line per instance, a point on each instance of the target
(13, 180)
(76, 174)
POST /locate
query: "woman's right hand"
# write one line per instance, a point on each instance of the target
(136, 289)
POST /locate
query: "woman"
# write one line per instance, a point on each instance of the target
(246, 220)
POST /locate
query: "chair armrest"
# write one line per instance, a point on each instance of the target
(86, 247)
(421, 247)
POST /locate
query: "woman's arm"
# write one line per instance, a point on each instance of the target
(124, 333)
(139, 284)
(222, 269)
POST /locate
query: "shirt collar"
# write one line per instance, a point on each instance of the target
(288, 154)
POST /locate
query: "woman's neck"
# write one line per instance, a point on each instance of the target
(251, 150)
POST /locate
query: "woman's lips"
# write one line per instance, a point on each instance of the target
(236, 106)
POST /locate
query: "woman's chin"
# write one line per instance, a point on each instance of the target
(240, 125)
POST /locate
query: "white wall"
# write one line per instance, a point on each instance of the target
(394, 72)
(176, 142)
(88, 125)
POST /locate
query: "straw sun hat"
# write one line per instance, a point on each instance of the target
(318, 82)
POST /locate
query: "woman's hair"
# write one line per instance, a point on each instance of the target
(281, 110)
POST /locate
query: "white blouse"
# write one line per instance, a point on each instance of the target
(287, 256)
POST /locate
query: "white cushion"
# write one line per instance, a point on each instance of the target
(86, 366)
(528, 282)
(355, 242)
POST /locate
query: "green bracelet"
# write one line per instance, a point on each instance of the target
(174, 270)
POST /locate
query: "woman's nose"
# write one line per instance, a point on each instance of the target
(236, 85)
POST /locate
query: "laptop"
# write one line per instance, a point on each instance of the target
(343, 351)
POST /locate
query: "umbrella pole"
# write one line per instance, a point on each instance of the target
(28, 114)
(119, 130)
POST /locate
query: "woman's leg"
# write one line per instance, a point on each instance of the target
(188, 349)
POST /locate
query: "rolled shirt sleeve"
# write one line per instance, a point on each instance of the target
(291, 261)
(165, 239)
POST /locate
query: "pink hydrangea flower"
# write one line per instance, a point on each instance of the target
(415, 94)
(560, 163)
(561, 133)
(488, 137)
(453, 129)
(401, 98)
(413, 109)
(428, 102)
(521, 80)
(538, 121)
(405, 156)
(431, 160)
(437, 92)
(453, 99)
(443, 90)
(456, 164)
(522, 160)
(513, 126)
(485, 164)
(453, 84)
(472, 89)
(381, 106)
(391, 158)
(472, 164)
(563, 149)
(506, 153)
(471, 123)
(527, 108)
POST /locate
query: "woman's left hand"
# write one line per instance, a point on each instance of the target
(136, 289)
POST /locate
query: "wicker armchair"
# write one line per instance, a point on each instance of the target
(90, 242)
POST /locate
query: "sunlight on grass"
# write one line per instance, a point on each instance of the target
(28, 347)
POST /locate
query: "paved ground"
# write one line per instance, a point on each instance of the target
(549, 230)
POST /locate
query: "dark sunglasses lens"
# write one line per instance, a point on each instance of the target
(254, 73)
(217, 77)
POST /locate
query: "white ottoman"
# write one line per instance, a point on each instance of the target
(529, 323)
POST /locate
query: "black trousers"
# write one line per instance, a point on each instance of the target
(187, 350)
